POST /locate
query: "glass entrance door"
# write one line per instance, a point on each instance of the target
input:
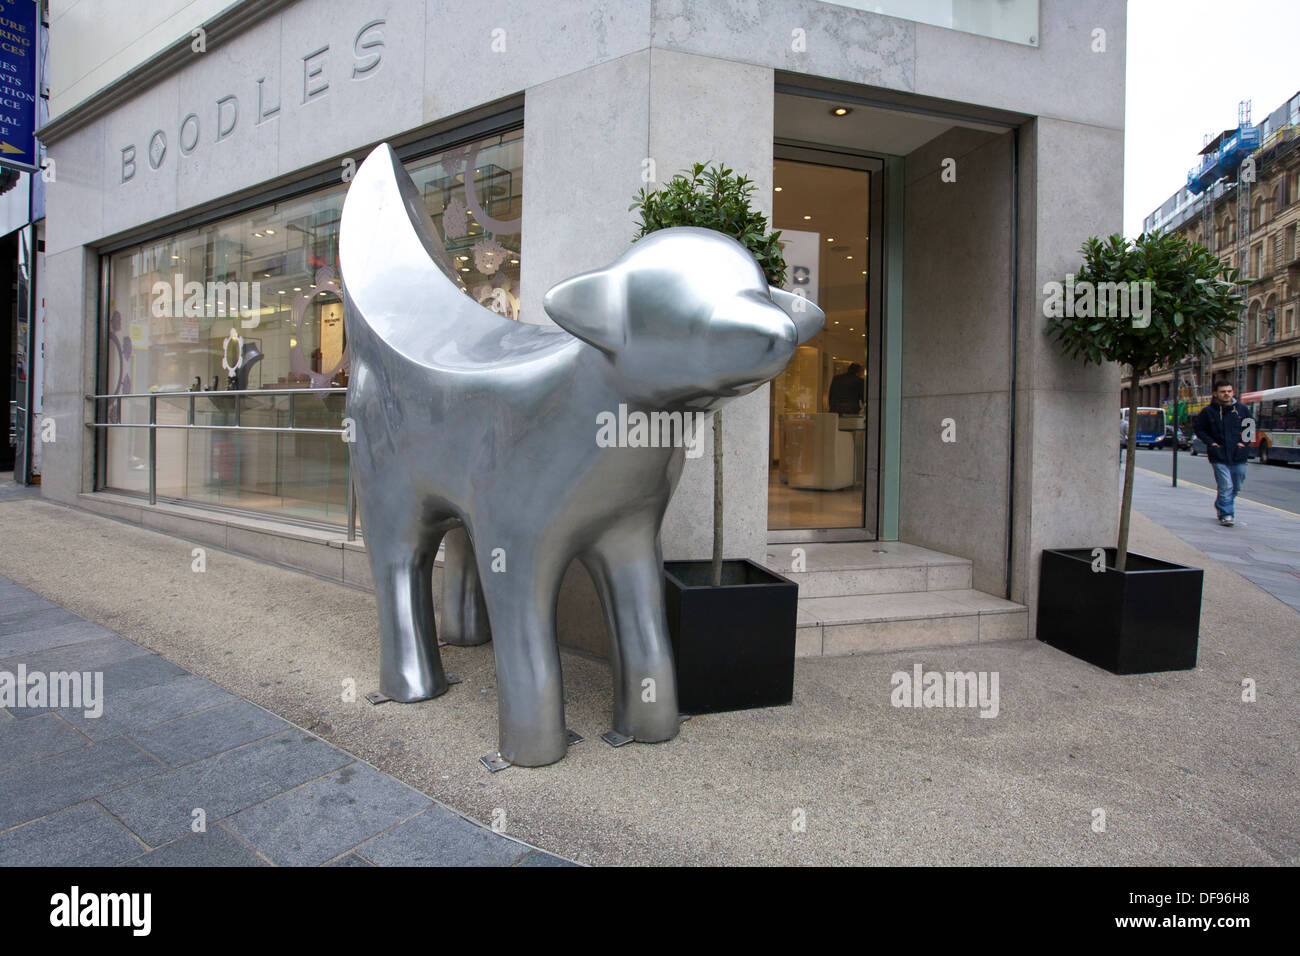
(823, 420)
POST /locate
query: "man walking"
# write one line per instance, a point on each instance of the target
(1219, 426)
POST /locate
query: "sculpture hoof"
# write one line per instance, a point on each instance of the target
(535, 755)
(408, 693)
(465, 640)
(651, 728)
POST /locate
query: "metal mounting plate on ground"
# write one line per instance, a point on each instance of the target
(376, 698)
(452, 679)
(615, 739)
(573, 737)
(494, 762)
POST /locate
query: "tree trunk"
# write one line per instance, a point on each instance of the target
(1130, 466)
(717, 499)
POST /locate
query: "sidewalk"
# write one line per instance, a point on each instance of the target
(126, 786)
(1263, 546)
(1186, 772)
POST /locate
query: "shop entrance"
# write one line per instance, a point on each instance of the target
(823, 421)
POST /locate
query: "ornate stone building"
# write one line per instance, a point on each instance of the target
(1270, 268)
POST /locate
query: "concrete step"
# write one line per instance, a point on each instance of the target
(876, 623)
(867, 567)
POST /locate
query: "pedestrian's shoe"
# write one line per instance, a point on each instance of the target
(1225, 520)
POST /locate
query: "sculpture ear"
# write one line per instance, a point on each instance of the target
(808, 318)
(591, 306)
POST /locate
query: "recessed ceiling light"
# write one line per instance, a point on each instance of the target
(848, 257)
(514, 262)
(864, 271)
(841, 111)
(270, 232)
(257, 235)
(831, 239)
(807, 217)
(777, 189)
(297, 288)
(266, 275)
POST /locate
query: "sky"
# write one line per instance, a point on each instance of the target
(1189, 62)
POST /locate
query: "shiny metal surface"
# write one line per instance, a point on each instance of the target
(487, 432)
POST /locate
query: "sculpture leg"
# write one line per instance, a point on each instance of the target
(628, 571)
(530, 688)
(464, 612)
(410, 667)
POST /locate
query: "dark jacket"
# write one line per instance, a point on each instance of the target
(1220, 429)
(846, 394)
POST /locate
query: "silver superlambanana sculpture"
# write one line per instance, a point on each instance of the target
(494, 435)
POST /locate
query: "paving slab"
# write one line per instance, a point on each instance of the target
(42, 736)
(83, 835)
(68, 793)
(320, 820)
(95, 653)
(36, 619)
(541, 858)
(438, 837)
(133, 710)
(216, 847)
(37, 789)
(161, 809)
(12, 603)
(192, 737)
(349, 859)
(56, 636)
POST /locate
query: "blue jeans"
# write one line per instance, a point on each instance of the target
(1229, 478)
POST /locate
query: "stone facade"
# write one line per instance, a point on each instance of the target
(603, 87)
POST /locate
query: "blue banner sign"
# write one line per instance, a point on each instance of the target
(18, 92)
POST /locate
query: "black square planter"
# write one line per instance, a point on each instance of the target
(733, 645)
(1143, 619)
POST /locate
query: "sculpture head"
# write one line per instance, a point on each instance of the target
(686, 317)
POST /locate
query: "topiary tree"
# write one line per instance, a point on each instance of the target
(1146, 303)
(713, 198)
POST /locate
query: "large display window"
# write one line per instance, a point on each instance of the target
(217, 320)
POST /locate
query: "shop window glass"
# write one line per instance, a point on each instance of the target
(252, 304)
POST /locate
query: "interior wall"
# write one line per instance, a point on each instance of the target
(956, 350)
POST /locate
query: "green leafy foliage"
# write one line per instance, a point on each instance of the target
(713, 198)
(1192, 301)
